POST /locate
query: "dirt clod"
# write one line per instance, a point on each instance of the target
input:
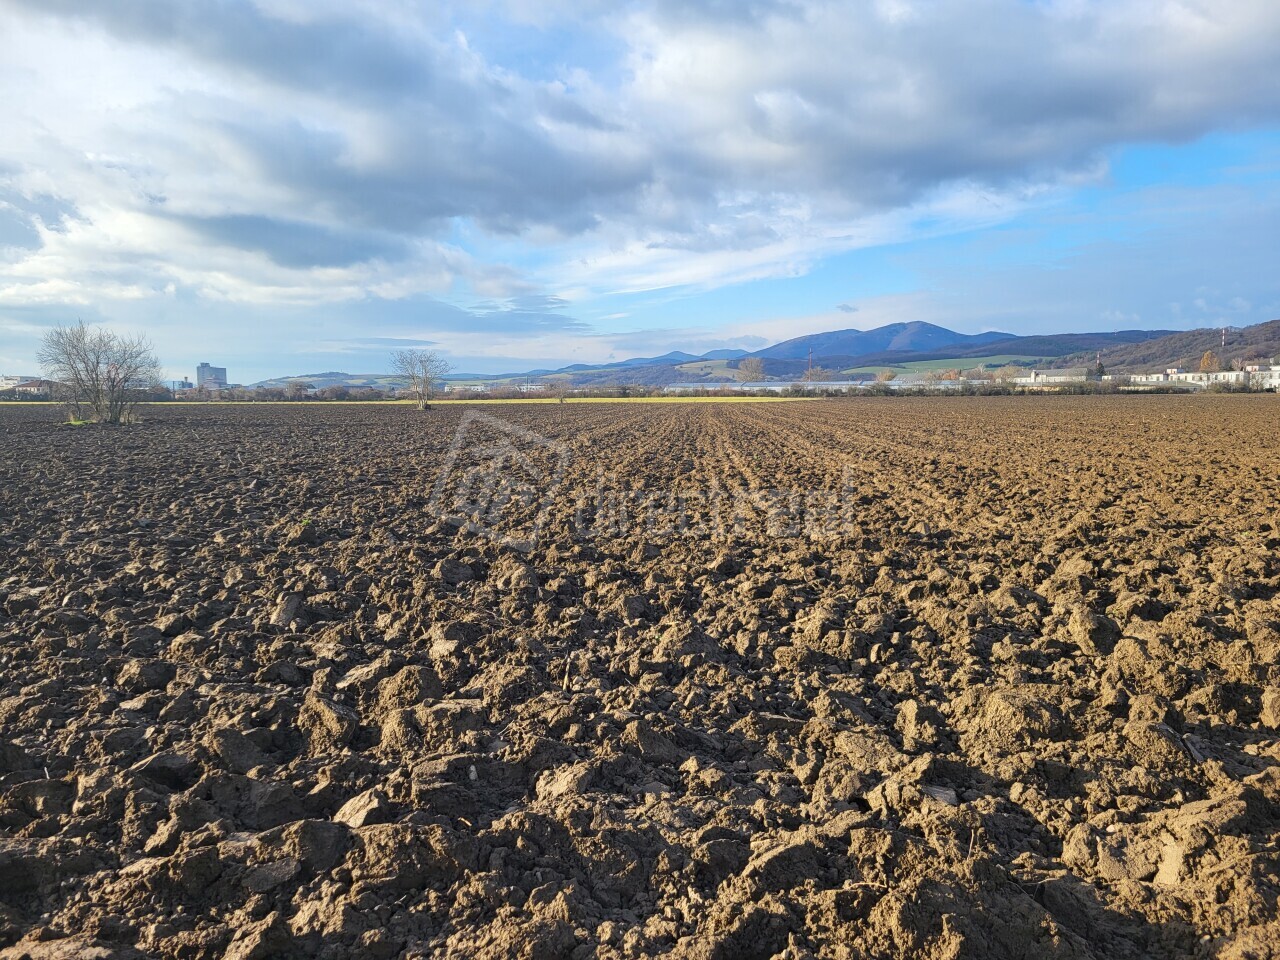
(840, 680)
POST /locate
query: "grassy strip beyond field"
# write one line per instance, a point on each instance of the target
(956, 363)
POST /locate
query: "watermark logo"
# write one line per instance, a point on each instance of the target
(716, 513)
(506, 483)
(499, 480)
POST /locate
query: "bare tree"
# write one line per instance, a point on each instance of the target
(751, 369)
(885, 376)
(422, 368)
(560, 388)
(1209, 363)
(818, 375)
(1009, 371)
(100, 370)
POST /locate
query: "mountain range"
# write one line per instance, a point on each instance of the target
(1261, 341)
(895, 338)
(905, 348)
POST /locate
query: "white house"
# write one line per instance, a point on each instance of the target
(1051, 378)
(1264, 377)
(35, 388)
(1203, 380)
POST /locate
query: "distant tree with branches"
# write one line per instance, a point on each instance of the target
(1209, 363)
(886, 376)
(423, 369)
(751, 369)
(297, 389)
(1009, 371)
(98, 371)
(818, 375)
(560, 388)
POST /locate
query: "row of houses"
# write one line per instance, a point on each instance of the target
(31, 387)
(825, 386)
(1259, 376)
(207, 377)
(1253, 377)
(529, 387)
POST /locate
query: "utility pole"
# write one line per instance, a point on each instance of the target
(809, 375)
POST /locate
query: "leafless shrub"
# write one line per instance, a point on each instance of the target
(99, 371)
(818, 375)
(423, 369)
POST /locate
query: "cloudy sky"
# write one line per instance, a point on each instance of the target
(291, 186)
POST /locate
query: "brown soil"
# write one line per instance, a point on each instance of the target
(989, 678)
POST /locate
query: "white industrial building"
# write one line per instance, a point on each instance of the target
(1253, 377)
(211, 378)
(781, 386)
(1048, 378)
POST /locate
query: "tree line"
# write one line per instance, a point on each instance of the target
(102, 376)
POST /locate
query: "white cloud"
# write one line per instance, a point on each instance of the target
(295, 154)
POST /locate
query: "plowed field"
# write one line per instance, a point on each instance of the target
(900, 678)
